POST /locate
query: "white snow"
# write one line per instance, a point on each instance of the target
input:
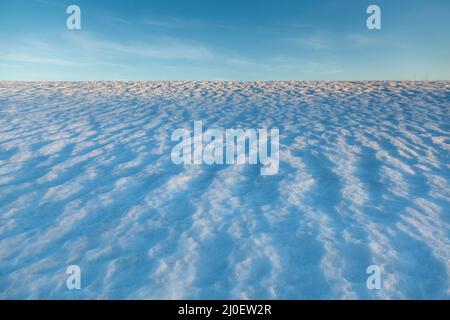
(86, 178)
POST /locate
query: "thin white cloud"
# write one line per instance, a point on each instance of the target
(297, 25)
(305, 66)
(314, 42)
(32, 51)
(166, 23)
(161, 48)
(29, 58)
(362, 39)
(50, 2)
(82, 49)
(176, 22)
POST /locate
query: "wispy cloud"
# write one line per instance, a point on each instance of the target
(87, 49)
(303, 26)
(362, 39)
(33, 51)
(50, 2)
(29, 58)
(176, 22)
(170, 22)
(326, 66)
(314, 42)
(163, 48)
(159, 23)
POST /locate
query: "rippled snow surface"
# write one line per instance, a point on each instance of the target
(86, 179)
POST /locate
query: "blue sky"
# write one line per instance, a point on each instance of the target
(224, 40)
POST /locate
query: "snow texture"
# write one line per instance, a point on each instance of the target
(86, 178)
